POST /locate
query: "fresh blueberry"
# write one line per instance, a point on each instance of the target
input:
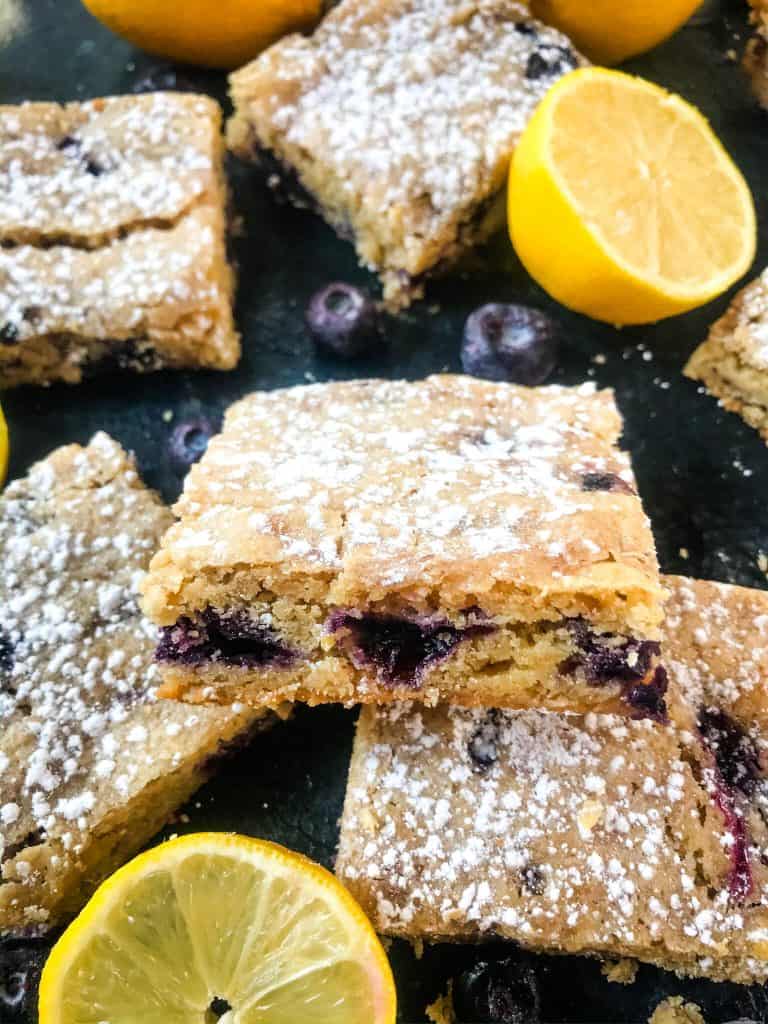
(342, 319)
(163, 78)
(21, 963)
(605, 482)
(483, 744)
(510, 343)
(497, 992)
(9, 334)
(189, 441)
(733, 749)
(400, 649)
(550, 60)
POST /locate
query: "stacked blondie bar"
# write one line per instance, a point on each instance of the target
(546, 752)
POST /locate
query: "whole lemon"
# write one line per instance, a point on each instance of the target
(610, 32)
(213, 33)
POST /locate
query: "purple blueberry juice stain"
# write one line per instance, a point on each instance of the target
(400, 649)
(606, 482)
(233, 638)
(736, 768)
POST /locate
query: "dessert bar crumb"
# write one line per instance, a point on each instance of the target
(91, 763)
(732, 363)
(112, 238)
(448, 539)
(756, 53)
(397, 120)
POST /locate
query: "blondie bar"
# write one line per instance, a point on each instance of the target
(450, 539)
(756, 53)
(582, 834)
(112, 238)
(91, 764)
(733, 362)
(398, 118)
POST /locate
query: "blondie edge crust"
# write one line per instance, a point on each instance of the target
(756, 53)
(92, 765)
(582, 834)
(112, 238)
(398, 118)
(444, 540)
(732, 363)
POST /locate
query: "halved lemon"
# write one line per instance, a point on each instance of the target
(609, 32)
(3, 447)
(219, 927)
(622, 202)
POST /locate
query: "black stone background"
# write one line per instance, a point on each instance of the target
(703, 474)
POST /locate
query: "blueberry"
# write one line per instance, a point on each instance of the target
(93, 167)
(734, 751)
(550, 60)
(189, 441)
(68, 142)
(9, 334)
(533, 879)
(6, 652)
(163, 78)
(342, 319)
(483, 744)
(510, 343)
(605, 482)
(525, 28)
(648, 699)
(232, 638)
(400, 649)
(497, 992)
(21, 963)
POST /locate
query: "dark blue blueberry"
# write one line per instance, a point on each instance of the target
(189, 441)
(483, 744)
(497, 992)
(401, 649)
(605, 482)
(9, 334)
(93, 167)
(6, 652)
(232, 638)
(734, 751)
(648, 699)
(343, 320)
(510, 343)
(21, 963)
(605, 657)
(163, 78)
(68, 142)
(525, 28)
(549, 60)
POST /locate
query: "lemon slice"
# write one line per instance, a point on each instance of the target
(218, 927)
(622, 202)
(609, 32)
(3, 447)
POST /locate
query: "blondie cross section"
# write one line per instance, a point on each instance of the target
(112, 238)
(398, 119)
(582, 834)
(448, 539)
(92, 765)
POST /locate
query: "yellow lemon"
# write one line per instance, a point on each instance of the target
(622, 202)
(3, 447)
(219, 926)
(214, 33)
(609, 32)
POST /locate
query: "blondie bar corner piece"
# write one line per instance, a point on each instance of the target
(756, 53)
(91, 764)
(397, 121)
(449, 539)
(584, 835)
(732, 363)
(113, 238)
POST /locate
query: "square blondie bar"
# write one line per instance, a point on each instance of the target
(756, 53)
(732, 363)
(449, 539)
(398, 118)
(582, 834)
(112, 238)
(92, 765)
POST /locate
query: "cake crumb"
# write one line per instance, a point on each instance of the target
(676, 1011)
(684, 553)
(441, 1011)
(620, 972)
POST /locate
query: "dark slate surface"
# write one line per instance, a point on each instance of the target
(703, 474)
